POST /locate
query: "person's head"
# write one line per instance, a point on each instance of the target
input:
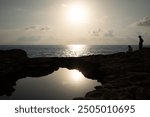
(140, 36)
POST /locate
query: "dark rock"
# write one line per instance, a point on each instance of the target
(123, 75)
(12, 67)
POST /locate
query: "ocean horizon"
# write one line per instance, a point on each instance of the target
(68, 50)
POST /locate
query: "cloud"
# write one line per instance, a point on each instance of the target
(110, 33)
(143, 22)
(38, 28)
(102, 34)
(20, 36)
(29, 38)
(96, 32)
(8, 36)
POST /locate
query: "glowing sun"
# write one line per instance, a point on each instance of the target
(76, 13)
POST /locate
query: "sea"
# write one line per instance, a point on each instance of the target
(68, 50)
(63, 84)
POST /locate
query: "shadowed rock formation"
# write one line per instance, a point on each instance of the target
(12, 68)
(14, 65)
(123, 75)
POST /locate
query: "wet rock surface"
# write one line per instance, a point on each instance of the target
(123, 75)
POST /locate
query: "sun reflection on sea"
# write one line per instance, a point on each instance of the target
(76, 50)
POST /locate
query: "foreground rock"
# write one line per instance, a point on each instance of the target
(14, 65)
(123, 75)
(12, 68)
(127, 76)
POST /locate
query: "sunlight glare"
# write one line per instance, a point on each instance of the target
(76, 50)
(76, 75)
(76, 14)
(76, 47)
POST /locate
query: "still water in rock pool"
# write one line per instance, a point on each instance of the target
(61, 84)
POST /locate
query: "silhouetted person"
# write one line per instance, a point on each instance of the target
(129, 49)
(140, 42)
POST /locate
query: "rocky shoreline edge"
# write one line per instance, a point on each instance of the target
(124, 76)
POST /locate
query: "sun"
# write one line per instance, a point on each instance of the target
(76, 14)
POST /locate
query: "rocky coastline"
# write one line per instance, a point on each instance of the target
(123, 75)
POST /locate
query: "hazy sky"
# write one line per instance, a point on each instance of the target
(74, 21)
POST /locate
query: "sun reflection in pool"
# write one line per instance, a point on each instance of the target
(75, 75)
(61, 84)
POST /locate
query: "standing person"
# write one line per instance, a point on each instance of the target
(140, 42)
